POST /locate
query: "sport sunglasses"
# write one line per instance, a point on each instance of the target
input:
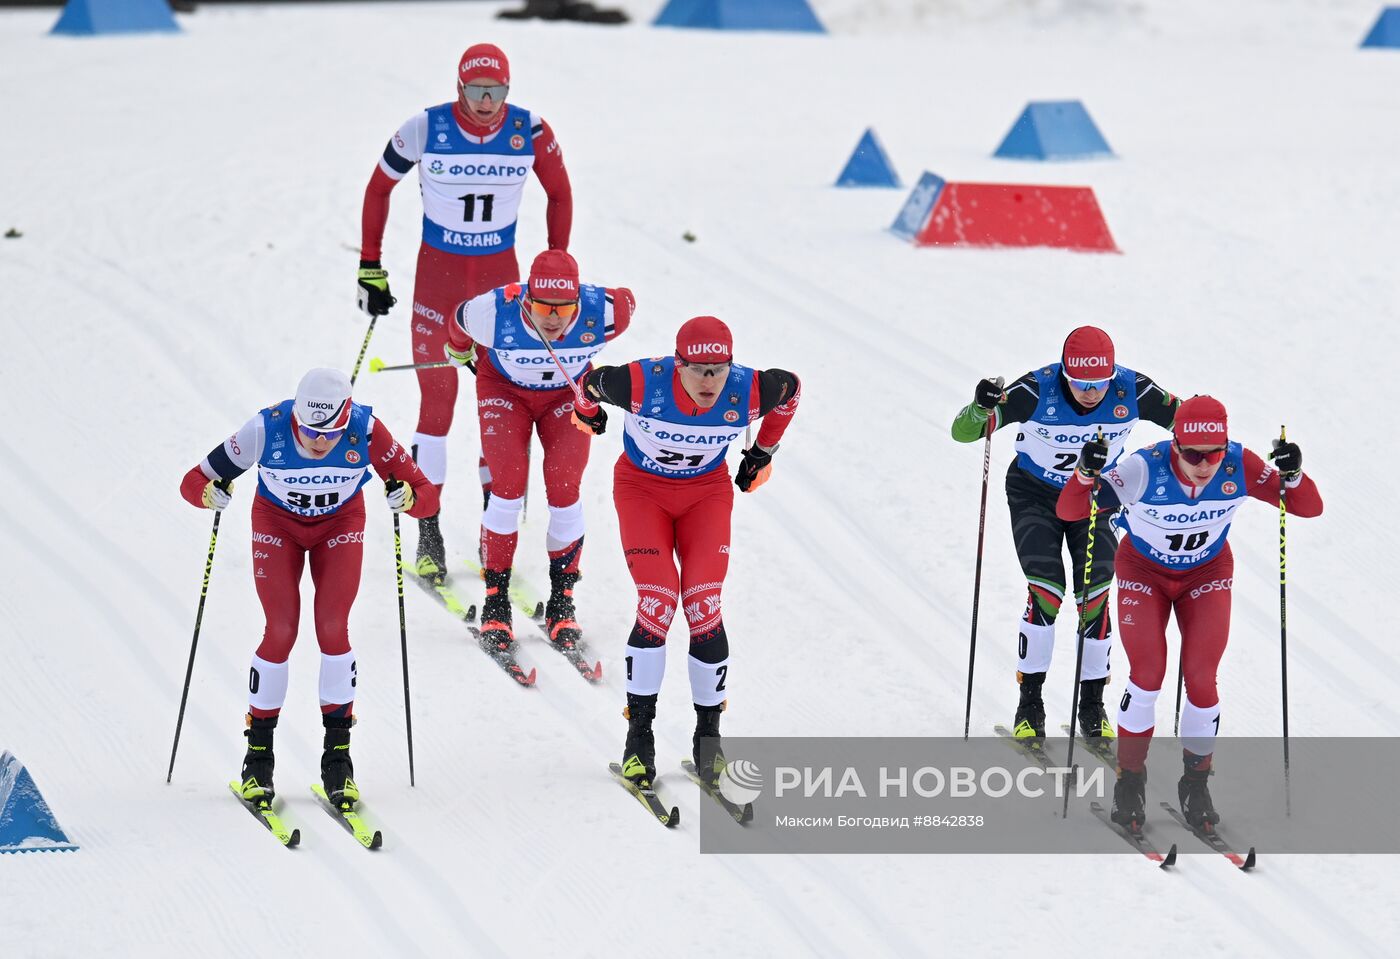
(1087, 385)
(1197, 457)
(704, 369)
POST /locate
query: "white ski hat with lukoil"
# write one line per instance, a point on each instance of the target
(323, 400)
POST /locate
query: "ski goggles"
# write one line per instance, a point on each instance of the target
(1197, 457)
(704, 369)
(475, 93)
(565, 311)
(1087, 385)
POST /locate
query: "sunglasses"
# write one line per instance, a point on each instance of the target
(312, 434)
(704, 369)
(1197, 457)
(496, 91)
(565, 311)
(1087, 385)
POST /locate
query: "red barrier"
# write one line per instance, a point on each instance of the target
(1003, 214)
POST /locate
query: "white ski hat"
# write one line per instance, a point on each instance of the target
(323, 400)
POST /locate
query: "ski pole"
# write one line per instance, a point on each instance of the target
(1180, 676)
(403, 642)
(1283, 609)
(376, 365)
(363, 347)
(1083, 625)
(977, 571)
(198, 620)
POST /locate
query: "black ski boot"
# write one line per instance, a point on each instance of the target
(708, 752)
(1194, 792)
(639, 752)
(564, 630)
(1030, 712)
(337, 770)
(258, 760)
(432, 552)
(1093, 717)
(496, 631)
(1130, 800)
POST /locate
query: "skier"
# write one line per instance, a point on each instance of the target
(474, 156)
(518, 386)
(313, 453)
(1179, 497)
(1060, 406)
(674, 500)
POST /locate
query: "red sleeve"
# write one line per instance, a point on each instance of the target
(192, 486)
(639, 384)
(549, 167)
(1073, 504)
(392, 461)
(775, 421)
(624, 303)
(375, 214)
(1303, 500)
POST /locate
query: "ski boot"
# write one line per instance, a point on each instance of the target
(708, 752)
(432, 552)
(496, 632)
(564, 630)
(1030, 712)
(1093, 718)
(337, 770)
(639, 752)
(258, 760)
(1194, 793)
(1130, 799)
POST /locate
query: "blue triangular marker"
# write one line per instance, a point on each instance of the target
(792, 15)
(26, 822)
(1054, 130)
(90, 17)
(869, 165)
(1386, 32)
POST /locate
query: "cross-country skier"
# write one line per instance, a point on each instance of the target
(674, 501)
(474, 156)
(313, 453)
(1059, 407)
(519, 389)
(1179, 497)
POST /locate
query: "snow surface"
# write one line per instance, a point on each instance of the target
(190, 210)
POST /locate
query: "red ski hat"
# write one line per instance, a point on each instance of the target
(1201, 421)
(484, 61)
(705, 339)
(554, 276)
(1088, 354)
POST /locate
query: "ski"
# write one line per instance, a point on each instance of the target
(743, 815)
(262, 812)
(350, 819)
(578, 654)
(1136, 839)
(504, 658)
(1033, 749)
(649, 799)
(1101, 748)
(1213, 839)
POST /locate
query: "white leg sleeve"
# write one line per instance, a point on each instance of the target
(432, 457)
(337, 679)
(1037, 644)
(1137, 710)
(1095, 664)
(267, 684)
(502, 515)
(565, 525)
(1199, 727)
(708, 681)
(646, 665)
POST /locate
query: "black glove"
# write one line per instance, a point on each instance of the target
(374, 296)
(755, 469)
(1287, 458)
(591, 418)
(989, 393)
(1093, 458)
